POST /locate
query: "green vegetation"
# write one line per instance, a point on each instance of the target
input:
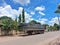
(23, 16)
(7, 23)
(34, 22)
(19, 18)
(55, 27)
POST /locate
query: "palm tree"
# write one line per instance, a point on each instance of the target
(58, 12)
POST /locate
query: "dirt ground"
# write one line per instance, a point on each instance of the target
(51, 38)
(8, 38)
(55, 42)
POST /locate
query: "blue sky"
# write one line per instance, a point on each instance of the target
(39, 10)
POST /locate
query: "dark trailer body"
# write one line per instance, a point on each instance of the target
(28, 29)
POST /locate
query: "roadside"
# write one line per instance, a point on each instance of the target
(49, 38)
(52, 41)
(8, 38)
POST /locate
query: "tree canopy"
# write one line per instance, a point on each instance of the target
(34, 22)
(7, 22)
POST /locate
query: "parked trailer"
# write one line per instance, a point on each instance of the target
(29, 29)
(30, 32)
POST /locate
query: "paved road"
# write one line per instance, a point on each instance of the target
(33, 40)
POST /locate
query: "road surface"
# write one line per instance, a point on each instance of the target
(33, 40)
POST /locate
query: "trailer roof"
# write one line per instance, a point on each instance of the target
(27, 26)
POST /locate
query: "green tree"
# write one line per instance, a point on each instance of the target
(34, 22)
(56, 26)
(7, 24)
(46, 26)
(38, 23)
(16, 25)
(20, 18)
(23, 16)
(51, 28)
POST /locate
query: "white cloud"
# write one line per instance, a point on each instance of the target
(41, 13)
(42, 20)
(41, 8)
(49, 22)
(27, 17)
(8, 11)
(54, 20)
(20, 10)
(32, 13)
(22, 2)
